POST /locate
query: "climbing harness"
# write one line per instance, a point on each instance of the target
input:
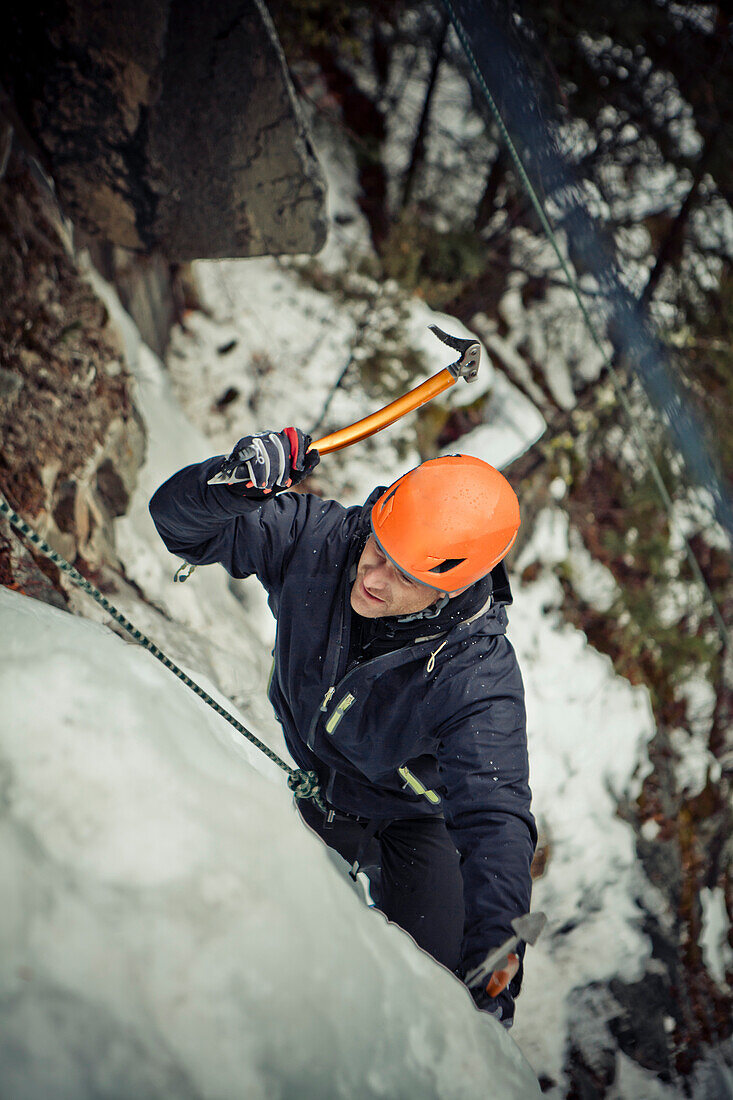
(303, 784)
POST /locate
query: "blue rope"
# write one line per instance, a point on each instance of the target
(675, 410)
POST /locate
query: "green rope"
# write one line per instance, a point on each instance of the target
(639, 437)
(302, 784)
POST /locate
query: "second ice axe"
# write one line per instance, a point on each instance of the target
(526, 930)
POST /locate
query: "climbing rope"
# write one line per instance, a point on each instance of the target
(303, 784)
(617, 382)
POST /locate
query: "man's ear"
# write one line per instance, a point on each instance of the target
(458, 593)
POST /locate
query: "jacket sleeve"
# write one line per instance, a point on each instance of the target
(485, 773)
(214, 523)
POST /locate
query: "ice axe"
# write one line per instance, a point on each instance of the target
(466, 366)
(496, 964)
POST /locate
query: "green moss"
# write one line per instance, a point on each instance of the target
(391, 366)
(660, 627)
(306, 26)
(436, 264)
(386, 362)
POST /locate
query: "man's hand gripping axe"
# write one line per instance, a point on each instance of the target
(497, 969)
(465, 366)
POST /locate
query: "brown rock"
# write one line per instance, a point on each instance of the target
(171, 126)
(111, 489)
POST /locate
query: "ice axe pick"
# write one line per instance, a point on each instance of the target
(466, 366)
(526, 930)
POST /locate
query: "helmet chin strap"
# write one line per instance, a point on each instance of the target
(429, 612)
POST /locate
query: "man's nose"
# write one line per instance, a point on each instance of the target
(376, 576)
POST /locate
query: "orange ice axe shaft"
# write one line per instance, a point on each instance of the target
(466, 366)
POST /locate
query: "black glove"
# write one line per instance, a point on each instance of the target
(502, 1004)
(268, 463)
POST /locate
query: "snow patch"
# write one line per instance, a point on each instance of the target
(716, 948)
(593, 581)
(549, 541)
(588, 732)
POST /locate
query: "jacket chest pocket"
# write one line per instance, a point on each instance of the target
(338, 712)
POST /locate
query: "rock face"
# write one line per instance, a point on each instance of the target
(71, 440)
(170, 126)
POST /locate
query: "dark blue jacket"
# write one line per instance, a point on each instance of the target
(449, 705)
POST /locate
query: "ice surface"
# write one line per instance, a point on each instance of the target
(169, 927)
(587, 732)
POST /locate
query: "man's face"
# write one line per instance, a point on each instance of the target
(380, 589)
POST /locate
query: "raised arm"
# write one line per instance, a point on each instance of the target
(230, 510)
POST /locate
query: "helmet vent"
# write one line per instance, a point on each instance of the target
(449, 563)
(384, 511)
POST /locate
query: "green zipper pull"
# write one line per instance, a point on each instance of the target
(414, 783)
(339, 712)
(327, 698)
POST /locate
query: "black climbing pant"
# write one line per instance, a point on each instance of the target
(413, 870)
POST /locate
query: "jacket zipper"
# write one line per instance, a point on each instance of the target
(339, 712)
(310, 739)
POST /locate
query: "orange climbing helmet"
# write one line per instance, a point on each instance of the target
(448, 522)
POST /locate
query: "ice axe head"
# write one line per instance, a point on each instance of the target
(529, 926)
(466, 366)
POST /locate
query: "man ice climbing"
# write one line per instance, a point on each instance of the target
(393, 678)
